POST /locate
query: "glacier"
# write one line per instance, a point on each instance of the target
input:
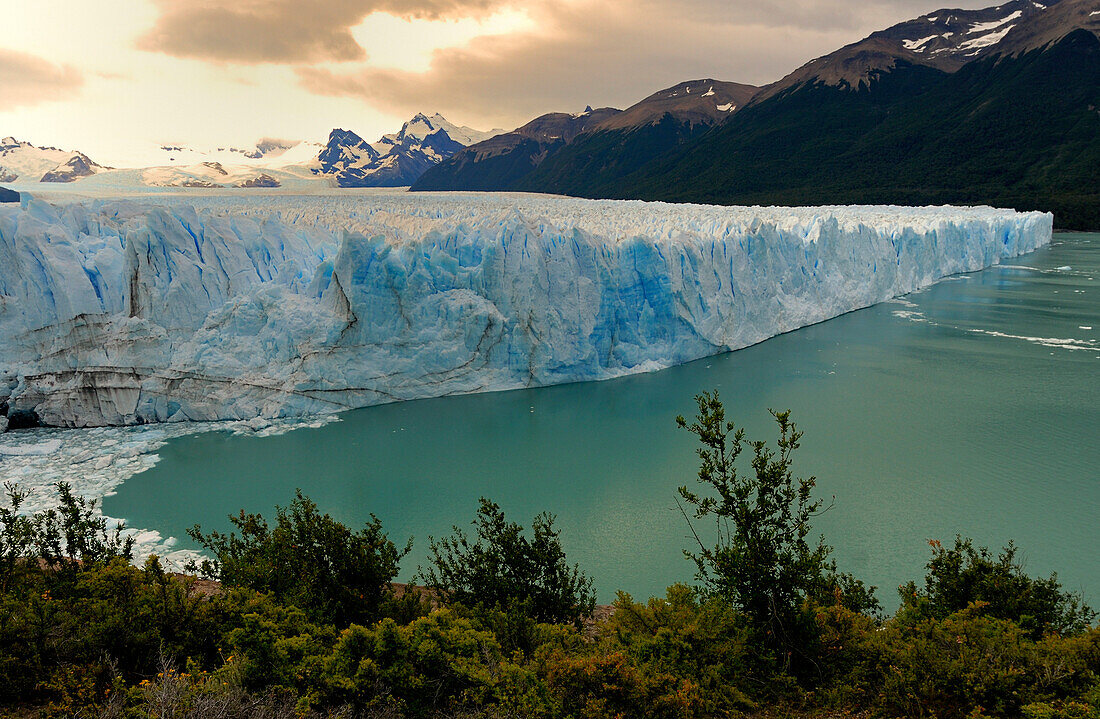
(217, 306)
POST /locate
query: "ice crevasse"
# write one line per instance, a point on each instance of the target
(201, 308)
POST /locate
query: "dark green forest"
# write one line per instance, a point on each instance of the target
(1018, 132)
(1021, 132)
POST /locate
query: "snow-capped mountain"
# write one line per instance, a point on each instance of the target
(209, 175)
(79, 165)
(420, 127)
(397, 159)
(945, 40)
(558, 150)
(502, 160)
(694, 102)
(23, 161)
(268, 153)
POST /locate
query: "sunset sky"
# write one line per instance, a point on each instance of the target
(117, 77)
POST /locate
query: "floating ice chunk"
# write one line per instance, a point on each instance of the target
(1059, 342)
(37, 449)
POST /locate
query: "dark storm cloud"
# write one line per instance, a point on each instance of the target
(29, 80)
(281, 31)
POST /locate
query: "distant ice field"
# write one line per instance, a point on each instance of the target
(219, 305)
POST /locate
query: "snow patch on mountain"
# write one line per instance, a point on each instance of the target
(993, 25)
(984, 41)
(397, 159)
(267, 153)
(915, 45)
(23, 161)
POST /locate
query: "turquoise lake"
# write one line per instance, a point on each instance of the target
(972, 407)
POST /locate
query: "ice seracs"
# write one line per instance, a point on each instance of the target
(195, 308)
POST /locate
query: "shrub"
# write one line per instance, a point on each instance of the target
(596, 686)
(16, 536)
(950, 667)
(761, 560)
(308, 559)
(962, 575)
(1086, 706)
(701, 640)
(71, 537)
(439, 662)
(503, 568)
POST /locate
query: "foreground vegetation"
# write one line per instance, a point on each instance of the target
(303, 619)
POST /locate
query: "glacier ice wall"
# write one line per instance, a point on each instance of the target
(202, 308)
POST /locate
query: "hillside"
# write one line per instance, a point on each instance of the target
(502, 161)
(1017, 131)
(596, 161)
(590, 152)
(993, 106)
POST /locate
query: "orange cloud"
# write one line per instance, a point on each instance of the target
(613, 53)
(282, 31)
(29, 80)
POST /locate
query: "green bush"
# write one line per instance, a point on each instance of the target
(962, 575)
(971, 660)
(702, 640)
(436, 663)
(307, 559)
(950, 667)
(761, 560)
(1086, 706)
(503, 568)
(595, 686)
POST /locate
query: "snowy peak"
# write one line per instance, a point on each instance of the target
(696, 102)
(421, 126)
(266, 153)
(76, 167)
(945, 40)
(21, 160)
(397, 159)
(343, 150)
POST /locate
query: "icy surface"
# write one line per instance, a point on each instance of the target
(225, 307)
(96, 461)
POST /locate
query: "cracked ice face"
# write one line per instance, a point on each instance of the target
(235, 308)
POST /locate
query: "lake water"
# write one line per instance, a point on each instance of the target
(972, 407)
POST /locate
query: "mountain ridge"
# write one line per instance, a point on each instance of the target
(905, 116)
(655, 124)
(22, 160)
(396, 159)
(914, 135)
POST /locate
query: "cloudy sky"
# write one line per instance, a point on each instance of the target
(116, 77)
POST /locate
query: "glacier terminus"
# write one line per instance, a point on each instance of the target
(209, 307)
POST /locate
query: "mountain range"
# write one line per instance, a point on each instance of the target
(45, 164)
(996, 106)
(345, 160)
(396, 160)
